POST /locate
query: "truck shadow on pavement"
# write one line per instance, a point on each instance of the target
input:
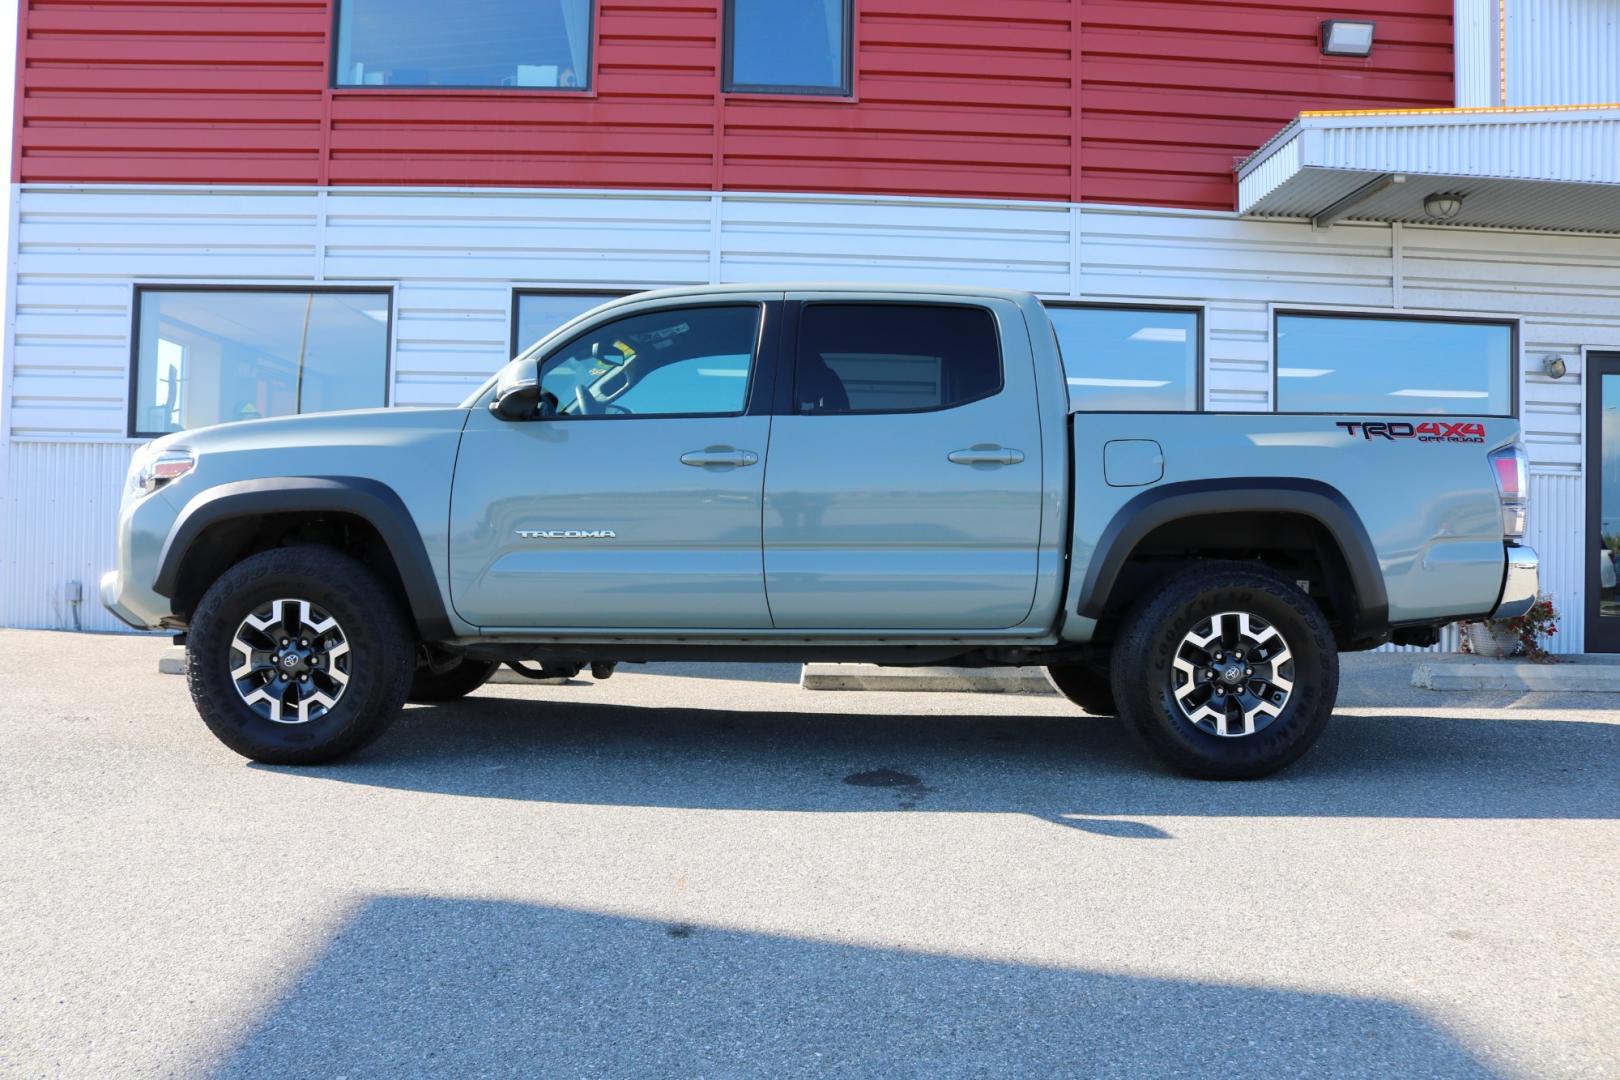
(416, 986)
(1081, 772)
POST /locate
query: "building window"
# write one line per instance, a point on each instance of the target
(522, 44)
(536, 314)
(1129, 359)
(207, 356)
(886, 358)
(789, 46)
(1361, 364)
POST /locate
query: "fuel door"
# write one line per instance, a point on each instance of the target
(1132, 462)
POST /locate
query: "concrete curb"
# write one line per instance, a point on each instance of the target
(172, 661)
(1572, 674)
(1004, 680)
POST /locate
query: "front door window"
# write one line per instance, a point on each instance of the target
(675, 362)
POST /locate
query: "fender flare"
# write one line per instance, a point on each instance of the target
(360, 496)
(1311, 498)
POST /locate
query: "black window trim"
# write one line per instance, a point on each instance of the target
(1197, 311)
(1514, 326)
(334, 76)
(791, 346)
(757, 396)
(1602, 635)
(844, 89)
(142, 288)
(514, 348)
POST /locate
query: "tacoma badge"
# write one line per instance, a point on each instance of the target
(568, 534)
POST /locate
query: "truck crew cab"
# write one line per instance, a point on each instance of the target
(813, 472)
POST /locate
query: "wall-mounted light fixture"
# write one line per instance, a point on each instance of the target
(1443, 205)
(1347, 37)
(1555, 367)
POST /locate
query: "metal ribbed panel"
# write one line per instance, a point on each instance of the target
(1557, 530)
(1476, 52)
(59, 528)
(1563, 52)
(1543, 169)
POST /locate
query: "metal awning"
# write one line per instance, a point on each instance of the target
(1554, 167)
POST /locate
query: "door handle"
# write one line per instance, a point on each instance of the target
(721, 456)
(985, 454)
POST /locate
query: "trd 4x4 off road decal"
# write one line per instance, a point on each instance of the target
(1433, 431)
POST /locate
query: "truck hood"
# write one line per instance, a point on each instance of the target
(352, 428)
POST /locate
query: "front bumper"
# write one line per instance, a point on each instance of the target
(143, 526)
(1521, 585)
(117, 599)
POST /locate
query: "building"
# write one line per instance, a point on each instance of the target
(259, 206)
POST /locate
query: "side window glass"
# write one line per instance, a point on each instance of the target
(876, 358)
(678, 362)
(1128, 359)
(1354, 364)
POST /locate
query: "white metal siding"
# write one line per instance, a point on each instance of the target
(1563, 52)
(58, 529)
(454, 258)
(1476, 48)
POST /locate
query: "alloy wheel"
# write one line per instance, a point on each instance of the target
(1232, 674)
(291, 661)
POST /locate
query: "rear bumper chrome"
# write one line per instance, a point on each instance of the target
(1522, 584)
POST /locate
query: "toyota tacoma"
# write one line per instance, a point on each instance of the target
(884, 474)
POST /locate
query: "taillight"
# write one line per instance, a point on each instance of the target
(1511, 466)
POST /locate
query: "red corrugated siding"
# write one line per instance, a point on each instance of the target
(1171, 93)
(953, 97)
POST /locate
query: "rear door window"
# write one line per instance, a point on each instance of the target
(890, 358)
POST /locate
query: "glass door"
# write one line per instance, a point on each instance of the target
(1603, 502)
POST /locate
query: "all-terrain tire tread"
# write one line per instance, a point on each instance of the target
(1170, 736)
(374, 613)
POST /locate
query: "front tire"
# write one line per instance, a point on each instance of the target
(299, 655)
(1227, 671)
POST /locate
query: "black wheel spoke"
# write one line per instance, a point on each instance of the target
(1232, 674)
(290, 661)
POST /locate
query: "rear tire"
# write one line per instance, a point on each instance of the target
(1226, 670)
(299, 655)
(454, 684)
(1086, 686)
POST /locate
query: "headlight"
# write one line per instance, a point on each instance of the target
(150, 471)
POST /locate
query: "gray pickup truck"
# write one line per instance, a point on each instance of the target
(814, 472)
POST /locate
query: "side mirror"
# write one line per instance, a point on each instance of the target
(517, 392)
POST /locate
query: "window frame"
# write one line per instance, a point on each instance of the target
(793, 327)
(589, 89)
(757, 395)
(141, 288)
(1199, 312)
(519, 292)
(1514, 324)
(728, 85)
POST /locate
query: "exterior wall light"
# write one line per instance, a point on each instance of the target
(1346, 37)
(1555, 367)
(1443, 205)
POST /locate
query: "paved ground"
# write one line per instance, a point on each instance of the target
(686, 872)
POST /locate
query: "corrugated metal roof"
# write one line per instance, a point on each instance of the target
(1536, 168)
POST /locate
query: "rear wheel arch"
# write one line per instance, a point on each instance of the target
(222, 525)
(1273, 520)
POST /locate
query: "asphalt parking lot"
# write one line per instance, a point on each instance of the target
(689, 871)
